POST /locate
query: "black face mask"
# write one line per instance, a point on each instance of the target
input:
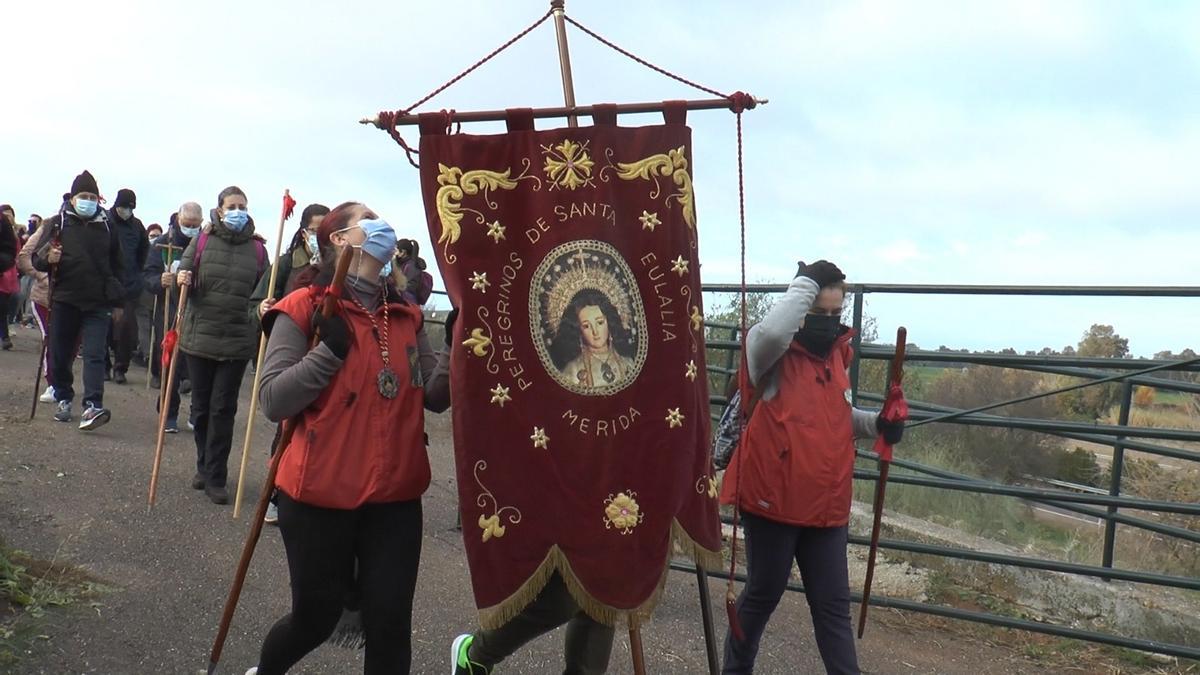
(819, 333)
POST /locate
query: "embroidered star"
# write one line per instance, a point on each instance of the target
(495, 231)
(479, 281)
(691, 370)
(681, 266)
(697, 318)
(649, 220)
(500, 395)
(674, 418)
(540, 439)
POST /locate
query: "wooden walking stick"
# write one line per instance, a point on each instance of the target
(893, 409)
(328, 305)
(635, 646)
(164, 403)
(169, 249)
(288, 205)
(153, 311)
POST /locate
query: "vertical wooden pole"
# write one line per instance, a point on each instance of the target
(564, 57)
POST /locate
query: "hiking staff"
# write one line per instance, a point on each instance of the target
(895, 409)
(289, 205)
(170, 249)
(153, 311)
(170, 343)
(328, 305)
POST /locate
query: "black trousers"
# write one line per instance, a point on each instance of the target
(215, 387)
(125, 336)
(69, 327)
(323, 547)
(588, 642)
(820, 553)
(4, 300)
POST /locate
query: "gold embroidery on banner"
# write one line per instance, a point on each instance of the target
(457, 184)
(491, 524)
(706, 484)
(500, 395)
(696, 319)
(621, 512)
(568, 165)
(540, 439)
(673, 164)
(674, 418)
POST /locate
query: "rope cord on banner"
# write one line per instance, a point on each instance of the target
(387, 118)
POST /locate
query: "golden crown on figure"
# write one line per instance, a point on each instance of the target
(584, 269)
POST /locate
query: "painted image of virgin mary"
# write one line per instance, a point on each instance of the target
(592, 347)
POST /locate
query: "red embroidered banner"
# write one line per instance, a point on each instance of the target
(580, 402)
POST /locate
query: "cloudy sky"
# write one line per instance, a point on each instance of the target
(1007, 142)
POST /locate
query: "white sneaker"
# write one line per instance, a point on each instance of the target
(47, 396)
(252, 671)
(272, 517)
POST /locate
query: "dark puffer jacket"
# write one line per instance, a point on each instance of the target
(220, 321)
(134, 247)
(91, 256)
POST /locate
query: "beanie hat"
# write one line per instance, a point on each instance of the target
(84, 183)
(125, 197)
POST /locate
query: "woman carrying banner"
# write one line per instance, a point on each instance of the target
(351, 480)
(796, 462)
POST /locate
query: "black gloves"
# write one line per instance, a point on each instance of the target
(823, 272)
(334, 332)
(451, 317)
(892, 432)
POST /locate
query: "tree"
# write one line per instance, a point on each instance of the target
(1102, 340)
(1093, 402)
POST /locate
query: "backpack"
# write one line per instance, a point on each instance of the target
(260, 252)
(728, 433)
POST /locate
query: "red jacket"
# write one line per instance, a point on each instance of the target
(352, 446)
(796, 457)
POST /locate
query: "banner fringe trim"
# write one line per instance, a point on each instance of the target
(492, 618)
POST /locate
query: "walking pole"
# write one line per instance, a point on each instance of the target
(635, 646)
(165, 404)
(288, 205)
(895, 380)
(153, 311)
(256, 523)
(706, 618)
(169, 248)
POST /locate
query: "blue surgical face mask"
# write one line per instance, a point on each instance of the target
(235, 219)
(387, 270)
(380, 243)
(86, 207)
(190, 232)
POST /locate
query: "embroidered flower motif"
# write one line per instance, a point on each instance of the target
(697, 318)
(478, 343)
(500, 395)
(680, 266)
(480, 282)
(568, 165)
(491, 527)
(690, 373)
(495, 230)
(540, 439)
(674, 418)
(649, 220)
(621, 512)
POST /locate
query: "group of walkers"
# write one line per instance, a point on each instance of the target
(349, 485)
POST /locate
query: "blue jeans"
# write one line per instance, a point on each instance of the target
(69, 326)
(820, 553)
